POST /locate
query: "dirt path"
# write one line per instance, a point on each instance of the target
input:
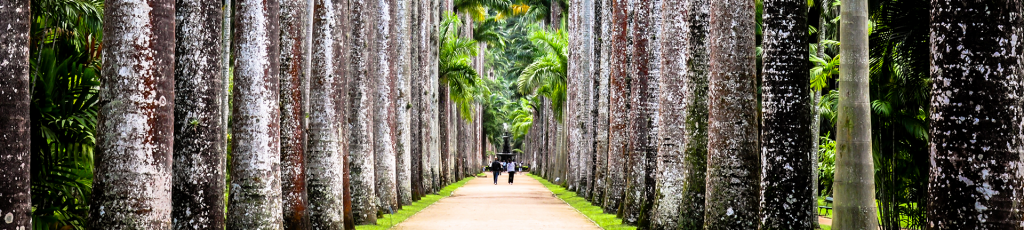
(482, 205)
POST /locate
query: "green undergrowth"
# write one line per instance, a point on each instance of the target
(390, 220)
(595, 213)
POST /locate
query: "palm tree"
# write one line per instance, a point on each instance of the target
(132, 187)
(733, 165)
(682, 146)
(787, 200)
(975, 149)
(619, 64)
(324, 158)
(361, 112)
(292, 93)
(14, 121)
(601, 120)
(401, 30)
(199, 157)
(854, 185)
(255, 176)
(384, 107)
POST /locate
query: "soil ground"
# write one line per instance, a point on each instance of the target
(480, 204)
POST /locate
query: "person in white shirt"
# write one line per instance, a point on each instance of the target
(511, 167)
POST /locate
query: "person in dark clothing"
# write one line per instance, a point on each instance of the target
(496, 168)
(511, 170)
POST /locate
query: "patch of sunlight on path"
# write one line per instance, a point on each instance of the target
(480, 204)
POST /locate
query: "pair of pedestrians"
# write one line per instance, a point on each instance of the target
(510, 167)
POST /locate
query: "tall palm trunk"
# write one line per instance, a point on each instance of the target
(361, 112)
(601, 94)
(433, 19)
(854, 186)
(618, 141)
(732, 176)
(402, 60)
(384, 120)
(199, 157)
(581, 71)
(324, 159)
(975, 181)
(342, 36)
(417, 126)
(643, 106)
(443, 124)
(132, 186)
(255, 177)
(15, 100)
(787, 198)
(682, 145)
(292, 93)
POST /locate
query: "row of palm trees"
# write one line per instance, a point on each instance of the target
(672, 123)
(339, 112)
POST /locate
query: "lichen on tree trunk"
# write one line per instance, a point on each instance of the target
(15, 102)
(361, 112)
(293, 114)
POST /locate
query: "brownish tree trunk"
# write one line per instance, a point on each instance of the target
(361, 112)
(618, 100)
(324, 156)
(385, 75)
(293, 114)
(199, 156)
(135, 128)
(733, 165)
(15, 100)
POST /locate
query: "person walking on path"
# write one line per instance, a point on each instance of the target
(511, 170)
(496, 168)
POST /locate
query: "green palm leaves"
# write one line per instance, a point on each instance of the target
(546, 75)
(455, 66)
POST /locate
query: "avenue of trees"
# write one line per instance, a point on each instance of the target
(690, 114)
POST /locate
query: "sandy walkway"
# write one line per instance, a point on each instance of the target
(482, 205)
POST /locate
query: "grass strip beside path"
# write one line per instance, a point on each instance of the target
(407, 211)
(594, 213)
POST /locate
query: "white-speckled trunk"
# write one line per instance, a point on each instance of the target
(603, 51)
(401, 65)
(618, 137)
(361, 100)
(293, 114)
(854, 186)
(15, 99)
(255, 201)
(733, 152)
(135, 128)
(433, 18)
(384, 75)
(417, 107)
(787, 197)
(199, 157)
(975, 180)
(324, 159)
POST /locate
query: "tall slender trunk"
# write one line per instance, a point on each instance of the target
(132, 186)
(695, 151)
(343, 75)
(854, 186)
(403, 147)
(618, 100)
(601, 94)
(433, 83)
(324, 158)
(975, 180)
(444, 118)
(733, 164)
(199, 157)
(255, 177)
(15, 100)
(361, 112)
(418, 108)
(642, 110)
(293, 114)
(787, 198)
(384, 118)
(581, 69)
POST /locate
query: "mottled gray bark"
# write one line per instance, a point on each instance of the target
(293, 114)
(975, 180)
(642, 110)
(15, 99)
(135, 133)
(199, 157)
(618, 107)
(581, 69)
(854, 185)
(787, 198)
(433, 84)
(361, 113)
(601, 80)
(401, 68)
(444, 118)
(691, 214)
(255, 201)
(384, 75)
(418, 109)
(324, 159)
(342, 36)
(732, 173)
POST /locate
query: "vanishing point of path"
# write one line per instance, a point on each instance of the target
(482, 205)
